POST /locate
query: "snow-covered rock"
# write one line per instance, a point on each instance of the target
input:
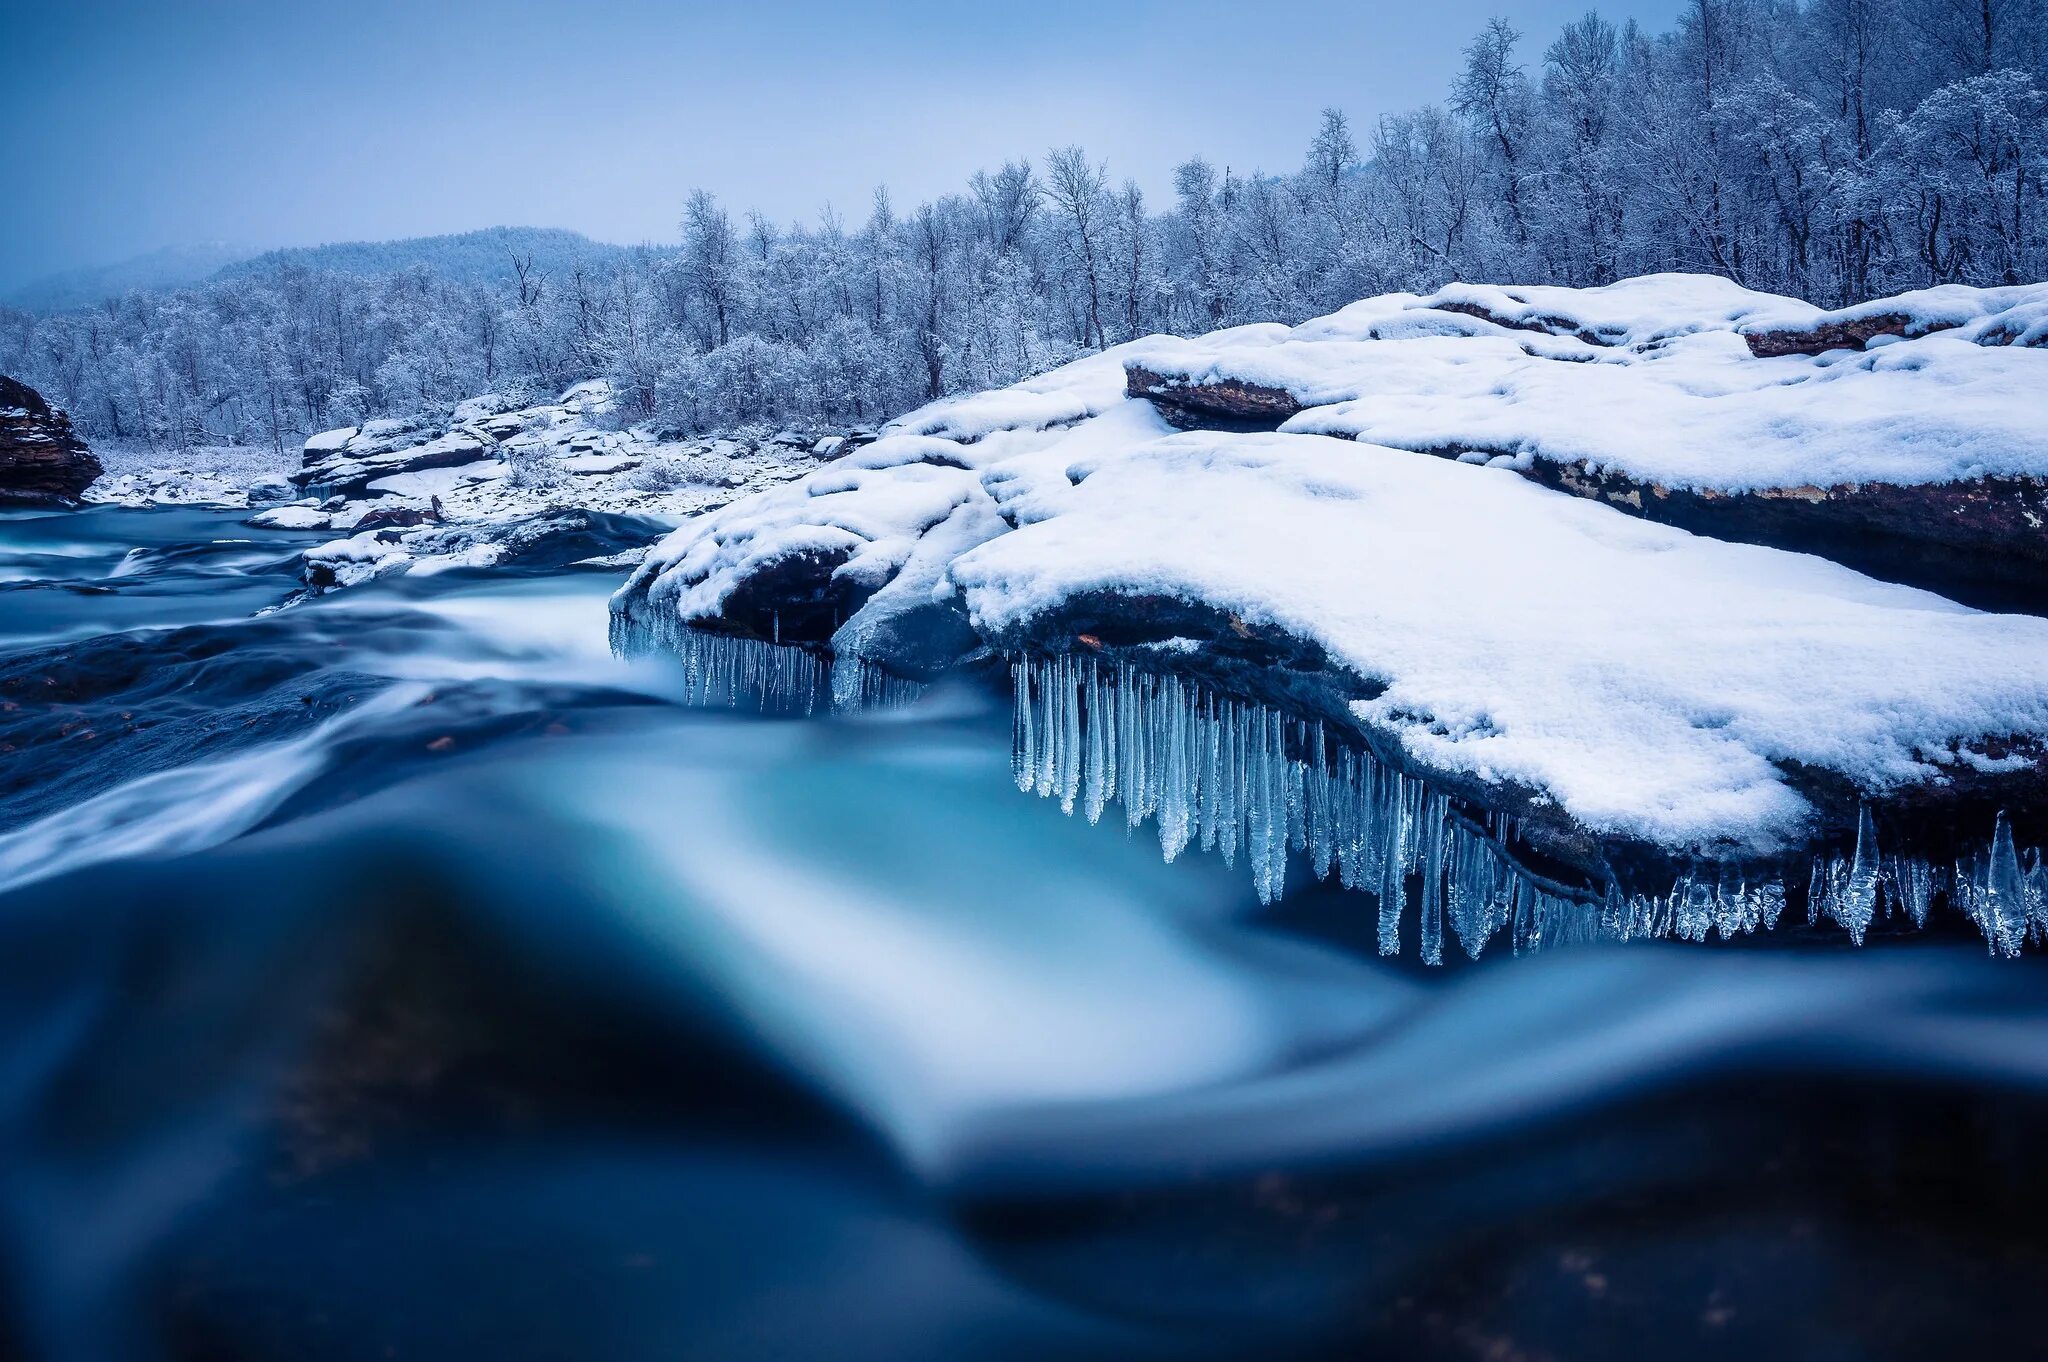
(542, 539)
(1639, 697)
(476, 491)
(298, 516)
(1987, 316)
(372, 454)
(169, 487)
(270, 489)
(1904, 434)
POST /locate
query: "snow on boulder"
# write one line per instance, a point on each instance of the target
(329, 442)
(796, 562)
(1654, 685)
(1645, 705)
(1993, 316)
(1631, 312)
(483, 407)
(1073, 392)
(1919, 451)
(372, 454)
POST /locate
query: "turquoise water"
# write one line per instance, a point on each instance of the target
(400, 973)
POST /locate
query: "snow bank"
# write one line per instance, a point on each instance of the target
(1654, 380)
(1698, 413)
(1654, 683)
(1640, 681)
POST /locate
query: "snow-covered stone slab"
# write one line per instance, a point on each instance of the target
(1986, 316)
(477, 489)
(1656, 685)
(1641, 701)
(364, 459)
(1909, 435)
(598, 463)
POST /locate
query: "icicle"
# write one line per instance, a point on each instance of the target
(1429, 898)
(2002, 904)
(2037, 898)
(1911, 882)
(1024, 756)
(1177, 805)
(721, 669)
(1229, 779)
(1100, 774)
(1070, 737)
(1821, 887)
(1044, 771)
(1232, 775)
(1856, 902)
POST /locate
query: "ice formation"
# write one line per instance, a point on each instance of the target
(1244, 779)
(722, 670)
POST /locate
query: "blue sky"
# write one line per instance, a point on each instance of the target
(133, 126)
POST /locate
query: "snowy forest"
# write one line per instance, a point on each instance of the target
(1835, 150)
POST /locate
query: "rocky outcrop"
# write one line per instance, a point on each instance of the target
(1982, 541)
(346, 462)
(1686, 734)
(1223, 404)
(501, 484)
(2013, 315)
(1819, 337)
(394, 541)
(1895, 436)
(1542, 323)
(43, 462)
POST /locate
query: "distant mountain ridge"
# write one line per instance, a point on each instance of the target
(169, 267)
(482, 256)
(479, 257)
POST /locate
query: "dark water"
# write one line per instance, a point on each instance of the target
(398, 975)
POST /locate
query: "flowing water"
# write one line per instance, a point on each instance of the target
(400, 974)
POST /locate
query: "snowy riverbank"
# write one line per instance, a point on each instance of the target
(1647, 702)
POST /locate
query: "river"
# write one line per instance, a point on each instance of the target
(398, 973)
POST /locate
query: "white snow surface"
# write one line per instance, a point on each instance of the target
(1982, 311)
(1652, 683)
(1670, 394)
(1650, 680)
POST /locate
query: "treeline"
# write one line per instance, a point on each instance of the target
(1835, 150)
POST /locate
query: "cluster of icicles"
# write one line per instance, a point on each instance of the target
(732, 672)
(1241, 778)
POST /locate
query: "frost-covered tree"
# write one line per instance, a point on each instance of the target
(1835, 149)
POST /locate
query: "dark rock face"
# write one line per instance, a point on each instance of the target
(1827, 335)
(395, 517)
(1550, 326)
(557, 539)
(798, 598)
(1983, 542)
(923, 643)
(1226, 405)
(42, 460)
